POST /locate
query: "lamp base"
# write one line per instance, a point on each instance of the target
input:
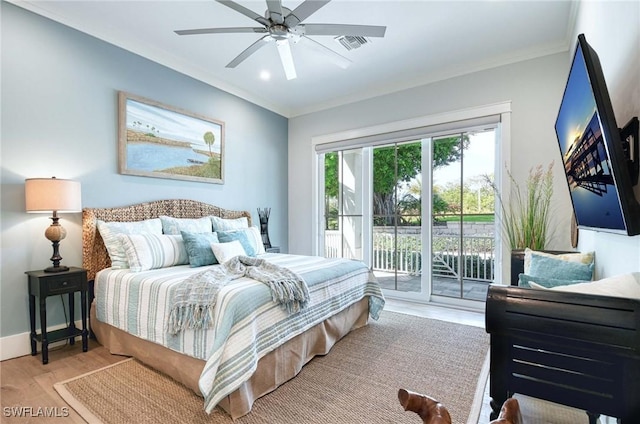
(55, 233)
(57, 269)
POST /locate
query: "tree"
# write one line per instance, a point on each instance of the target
(331, 174)
(477, 196)
(331, 190)
(438, 204)
(394, 165)
(209, 139)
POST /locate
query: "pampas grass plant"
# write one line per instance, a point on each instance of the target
(526, 219)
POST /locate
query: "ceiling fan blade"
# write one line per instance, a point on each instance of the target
(303, 11)
(275, 11)
(284, 50)
(336, 58)
(246, 12)
(249, 51)
(219, 30)
(344, 29)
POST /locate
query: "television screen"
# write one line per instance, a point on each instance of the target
(591, 149)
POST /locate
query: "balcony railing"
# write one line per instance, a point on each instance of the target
(406, 255)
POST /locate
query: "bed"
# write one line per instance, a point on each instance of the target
(256, 346)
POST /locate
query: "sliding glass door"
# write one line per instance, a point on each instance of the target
(463, 225)
(419, 212)
(397, 222)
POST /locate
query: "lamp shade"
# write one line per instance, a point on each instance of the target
(52, 194)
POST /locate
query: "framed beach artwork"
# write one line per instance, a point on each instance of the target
(156, 140)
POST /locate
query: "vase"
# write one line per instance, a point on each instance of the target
(263, 216)
(517, 265)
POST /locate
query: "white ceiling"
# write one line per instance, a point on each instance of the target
(425, 41)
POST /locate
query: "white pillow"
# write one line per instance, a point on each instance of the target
(254, 232)
(110, 232)
(152, 251)
(172, 225)
(225, 251)
(223, 224)
(624, 285)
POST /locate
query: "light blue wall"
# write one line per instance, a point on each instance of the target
(59, 117)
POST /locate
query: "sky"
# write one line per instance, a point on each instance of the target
(479, 159)
(578, 104)
(172, 125)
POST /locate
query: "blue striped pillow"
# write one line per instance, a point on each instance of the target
(152, 251)
(111, 232)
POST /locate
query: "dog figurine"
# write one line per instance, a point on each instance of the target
(430, 410)
(433, 412)
(509, 413)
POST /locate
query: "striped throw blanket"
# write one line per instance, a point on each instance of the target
(195, 299)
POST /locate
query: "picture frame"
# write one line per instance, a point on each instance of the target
(161, 141)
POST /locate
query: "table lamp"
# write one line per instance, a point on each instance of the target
(53, 195)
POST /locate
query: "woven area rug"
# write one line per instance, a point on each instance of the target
(357, 382)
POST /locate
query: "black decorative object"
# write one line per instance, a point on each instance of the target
(263, 215)
(630, 145)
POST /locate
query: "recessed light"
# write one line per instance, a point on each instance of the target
(265, 75)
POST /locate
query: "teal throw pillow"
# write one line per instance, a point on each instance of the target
(243, 236)
(548, 267)
(546, 282)
(198, 247)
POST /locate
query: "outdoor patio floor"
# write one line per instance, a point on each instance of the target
(441, 286)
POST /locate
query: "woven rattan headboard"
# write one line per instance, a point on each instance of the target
(94, 253)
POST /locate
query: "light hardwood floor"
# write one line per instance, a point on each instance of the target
(26, 382)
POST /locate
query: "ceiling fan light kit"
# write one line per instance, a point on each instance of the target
(283, 26)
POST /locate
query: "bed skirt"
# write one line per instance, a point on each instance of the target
(274, 369)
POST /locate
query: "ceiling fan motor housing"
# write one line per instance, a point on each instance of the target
(279, 32)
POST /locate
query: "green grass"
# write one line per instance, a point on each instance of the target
(210, 169)
(466, 218)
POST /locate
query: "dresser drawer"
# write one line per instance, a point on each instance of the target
(64, 284)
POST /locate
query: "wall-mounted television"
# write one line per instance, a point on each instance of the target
(595, 164)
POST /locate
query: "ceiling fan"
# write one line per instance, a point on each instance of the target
(283, 26)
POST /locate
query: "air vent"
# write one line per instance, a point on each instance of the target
(351, 42)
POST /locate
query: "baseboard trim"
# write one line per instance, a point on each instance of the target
(18, 345)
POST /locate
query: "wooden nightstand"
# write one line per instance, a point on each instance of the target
(273, 249)
(44, 284)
